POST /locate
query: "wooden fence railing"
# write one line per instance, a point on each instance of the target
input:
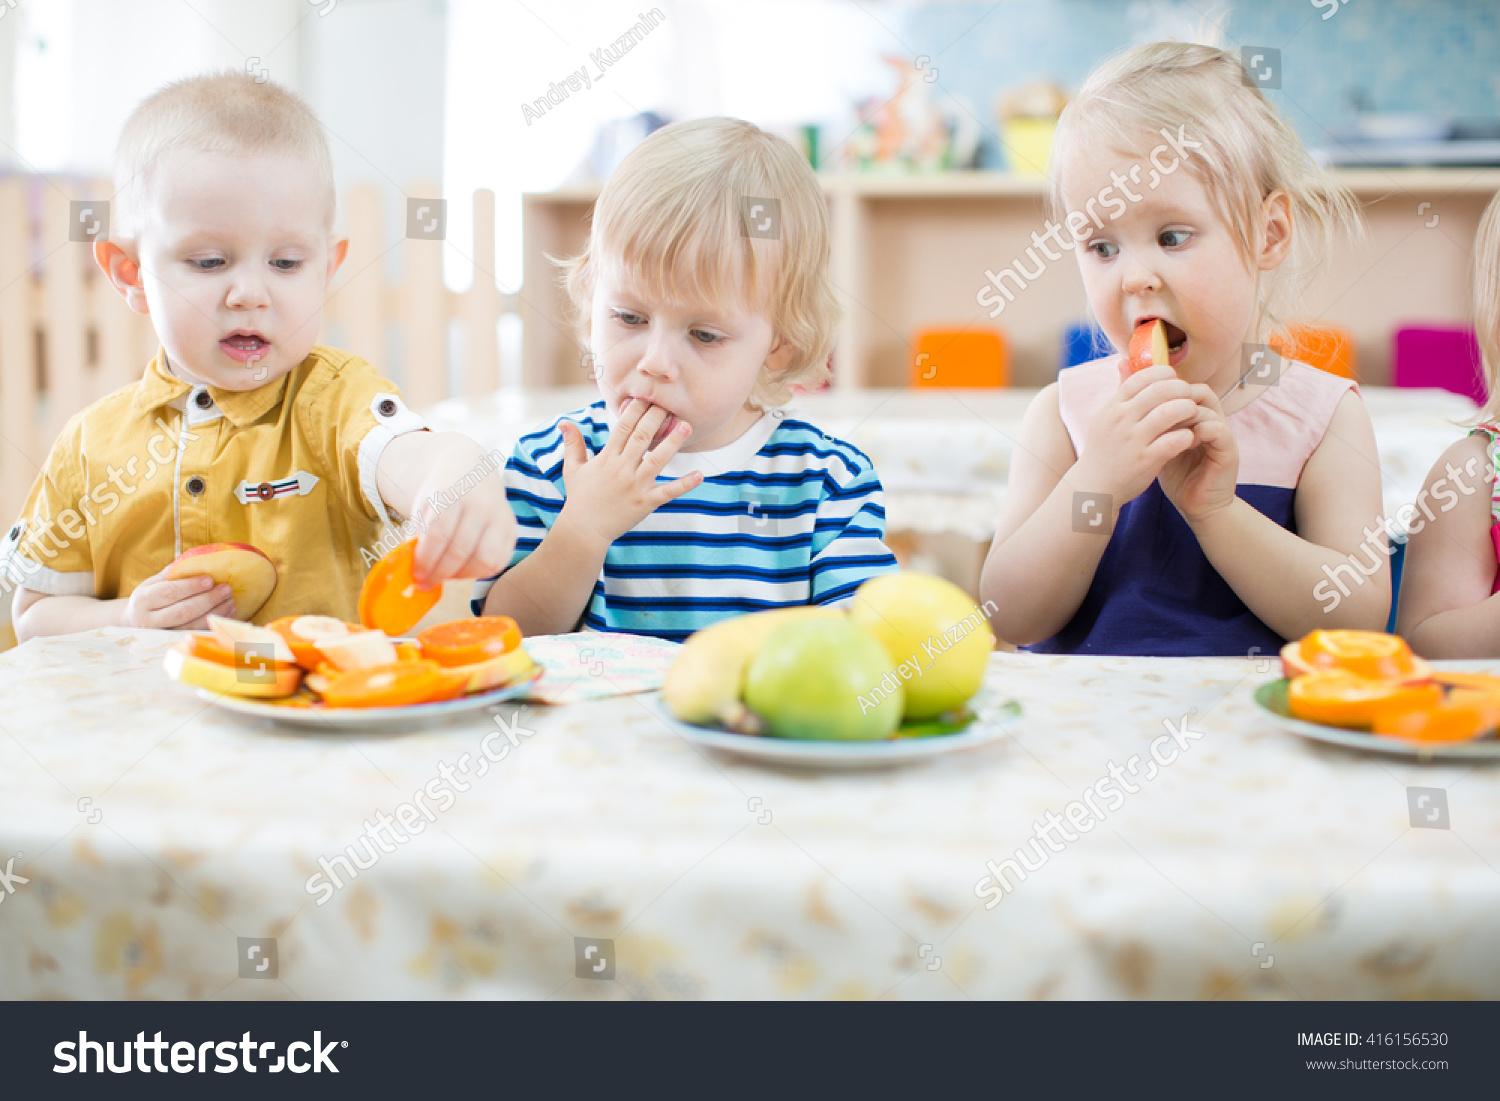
(67, 339)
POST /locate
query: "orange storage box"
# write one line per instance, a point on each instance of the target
(951, 358)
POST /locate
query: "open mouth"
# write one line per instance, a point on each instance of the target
(1177, 340)
(246, 347)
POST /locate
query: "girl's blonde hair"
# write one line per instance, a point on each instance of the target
(1487, 305)
(1244, 150)
(224, 112)
(717, 210)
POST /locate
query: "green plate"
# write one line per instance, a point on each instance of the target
(988, 718)
(1271, 699)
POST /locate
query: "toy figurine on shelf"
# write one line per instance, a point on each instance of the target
(910, 131)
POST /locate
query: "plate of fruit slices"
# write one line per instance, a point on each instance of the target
(1367, 690)
(318, 671)
(986, 718)
(304, 712)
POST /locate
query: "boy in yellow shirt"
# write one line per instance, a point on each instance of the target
(242, 430)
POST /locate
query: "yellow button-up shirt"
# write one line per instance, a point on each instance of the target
(162, 466)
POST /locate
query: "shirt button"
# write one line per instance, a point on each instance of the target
(15, 532)
(203, 399)
(388, 408)
(195, 485)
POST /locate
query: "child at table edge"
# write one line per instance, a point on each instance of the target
(1190, 508)
(684, 495)
(1448, 607)
(241, 430)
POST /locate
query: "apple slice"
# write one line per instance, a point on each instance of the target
(275, 682)
(496, 672)
(1148, 346)
(358, 650)
(235, 635)
(247, 571)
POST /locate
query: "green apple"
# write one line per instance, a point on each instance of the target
(935, 636)
(824, 680)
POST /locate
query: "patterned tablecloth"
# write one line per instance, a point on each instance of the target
(146, 837)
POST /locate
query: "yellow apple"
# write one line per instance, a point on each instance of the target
(496, 671)
(277, 680)
(938, 639)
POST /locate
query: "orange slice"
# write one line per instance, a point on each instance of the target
(395, 685)
(1339, 698)
(1372, 655)
(469, 641)
(390, 599)
(1481, 682)
(1465, 715)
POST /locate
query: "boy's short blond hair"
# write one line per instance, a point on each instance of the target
(228, 112)
(1246, 151)
(676, 216)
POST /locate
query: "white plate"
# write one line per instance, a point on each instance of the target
(994, 718)
(1271, 699)
(368, 718)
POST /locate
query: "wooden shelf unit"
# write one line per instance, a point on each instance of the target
(911, 251)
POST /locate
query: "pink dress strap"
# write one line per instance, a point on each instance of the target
(1492, 435)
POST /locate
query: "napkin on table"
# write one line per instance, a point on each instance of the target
(590, 665)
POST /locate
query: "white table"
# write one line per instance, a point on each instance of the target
(157, 831)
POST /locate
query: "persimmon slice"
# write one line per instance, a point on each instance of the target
(1339, 698)
(453, 683)
(470, 641)
(389, 599)
(394, 685)
(302, 632)
(210, 648)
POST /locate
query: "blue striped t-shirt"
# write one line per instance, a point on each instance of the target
(785, 515)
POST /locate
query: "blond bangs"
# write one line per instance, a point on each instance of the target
(1246, 151)
(673, 221)
(691, 248)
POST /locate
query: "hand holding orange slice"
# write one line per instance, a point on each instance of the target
(390, 600)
